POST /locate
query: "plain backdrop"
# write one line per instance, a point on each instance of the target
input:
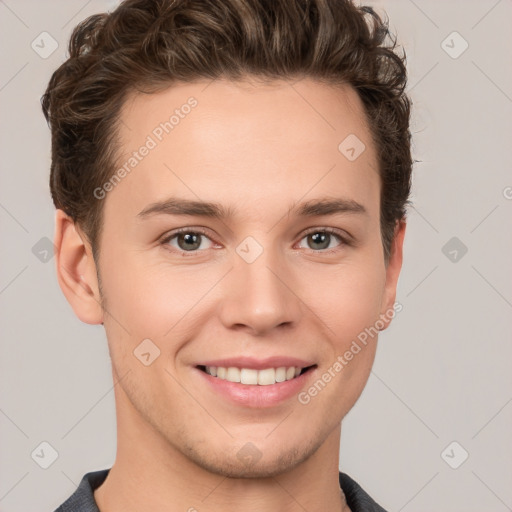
(431, 430)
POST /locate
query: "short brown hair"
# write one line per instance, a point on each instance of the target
(152, 44)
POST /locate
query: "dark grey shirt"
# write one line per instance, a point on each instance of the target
(82, 500)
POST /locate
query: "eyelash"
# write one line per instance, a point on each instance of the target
(344, 240)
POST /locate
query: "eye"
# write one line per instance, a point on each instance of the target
(322, 240)
(188, 240)
(192, 241)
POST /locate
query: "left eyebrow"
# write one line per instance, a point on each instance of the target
(327, 206)
(317, 207)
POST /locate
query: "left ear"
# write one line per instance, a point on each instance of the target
(392, 272)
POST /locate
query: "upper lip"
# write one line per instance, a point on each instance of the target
(258, 364)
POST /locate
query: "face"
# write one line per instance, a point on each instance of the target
(283, 267)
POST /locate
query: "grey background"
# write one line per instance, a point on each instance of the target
(442, 371)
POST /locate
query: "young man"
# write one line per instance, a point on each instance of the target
(230, 179)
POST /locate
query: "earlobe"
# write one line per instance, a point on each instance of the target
(392, 273)
(76, 270)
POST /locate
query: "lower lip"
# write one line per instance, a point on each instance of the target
(257, 396)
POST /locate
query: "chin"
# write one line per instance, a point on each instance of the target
(249, 462)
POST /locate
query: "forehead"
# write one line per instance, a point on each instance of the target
(241, 143)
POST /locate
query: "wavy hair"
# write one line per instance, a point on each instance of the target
(150, 44)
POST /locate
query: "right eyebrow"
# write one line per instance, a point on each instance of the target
(176, 206)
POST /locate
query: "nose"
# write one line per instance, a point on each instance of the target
(260, 296)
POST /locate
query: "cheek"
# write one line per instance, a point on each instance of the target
(346, 315)
(347, 298)
(347, 310)
(154, 299)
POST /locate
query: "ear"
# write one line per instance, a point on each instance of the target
(76, 270)
(392, 272)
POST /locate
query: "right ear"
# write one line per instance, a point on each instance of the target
(76, 270)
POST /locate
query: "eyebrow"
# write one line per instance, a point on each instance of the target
(318, 207)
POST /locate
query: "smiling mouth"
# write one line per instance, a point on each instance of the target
(251, 377)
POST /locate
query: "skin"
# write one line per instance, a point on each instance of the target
(256, 149)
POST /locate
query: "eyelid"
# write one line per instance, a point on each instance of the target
(187, 229)
(333, 231)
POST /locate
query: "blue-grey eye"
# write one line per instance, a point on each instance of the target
(189, 241)
(320, 240)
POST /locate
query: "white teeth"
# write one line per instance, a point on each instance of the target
(249, 376)
(267, 377)
(233, 374)
(290, 373)
(280, 374)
